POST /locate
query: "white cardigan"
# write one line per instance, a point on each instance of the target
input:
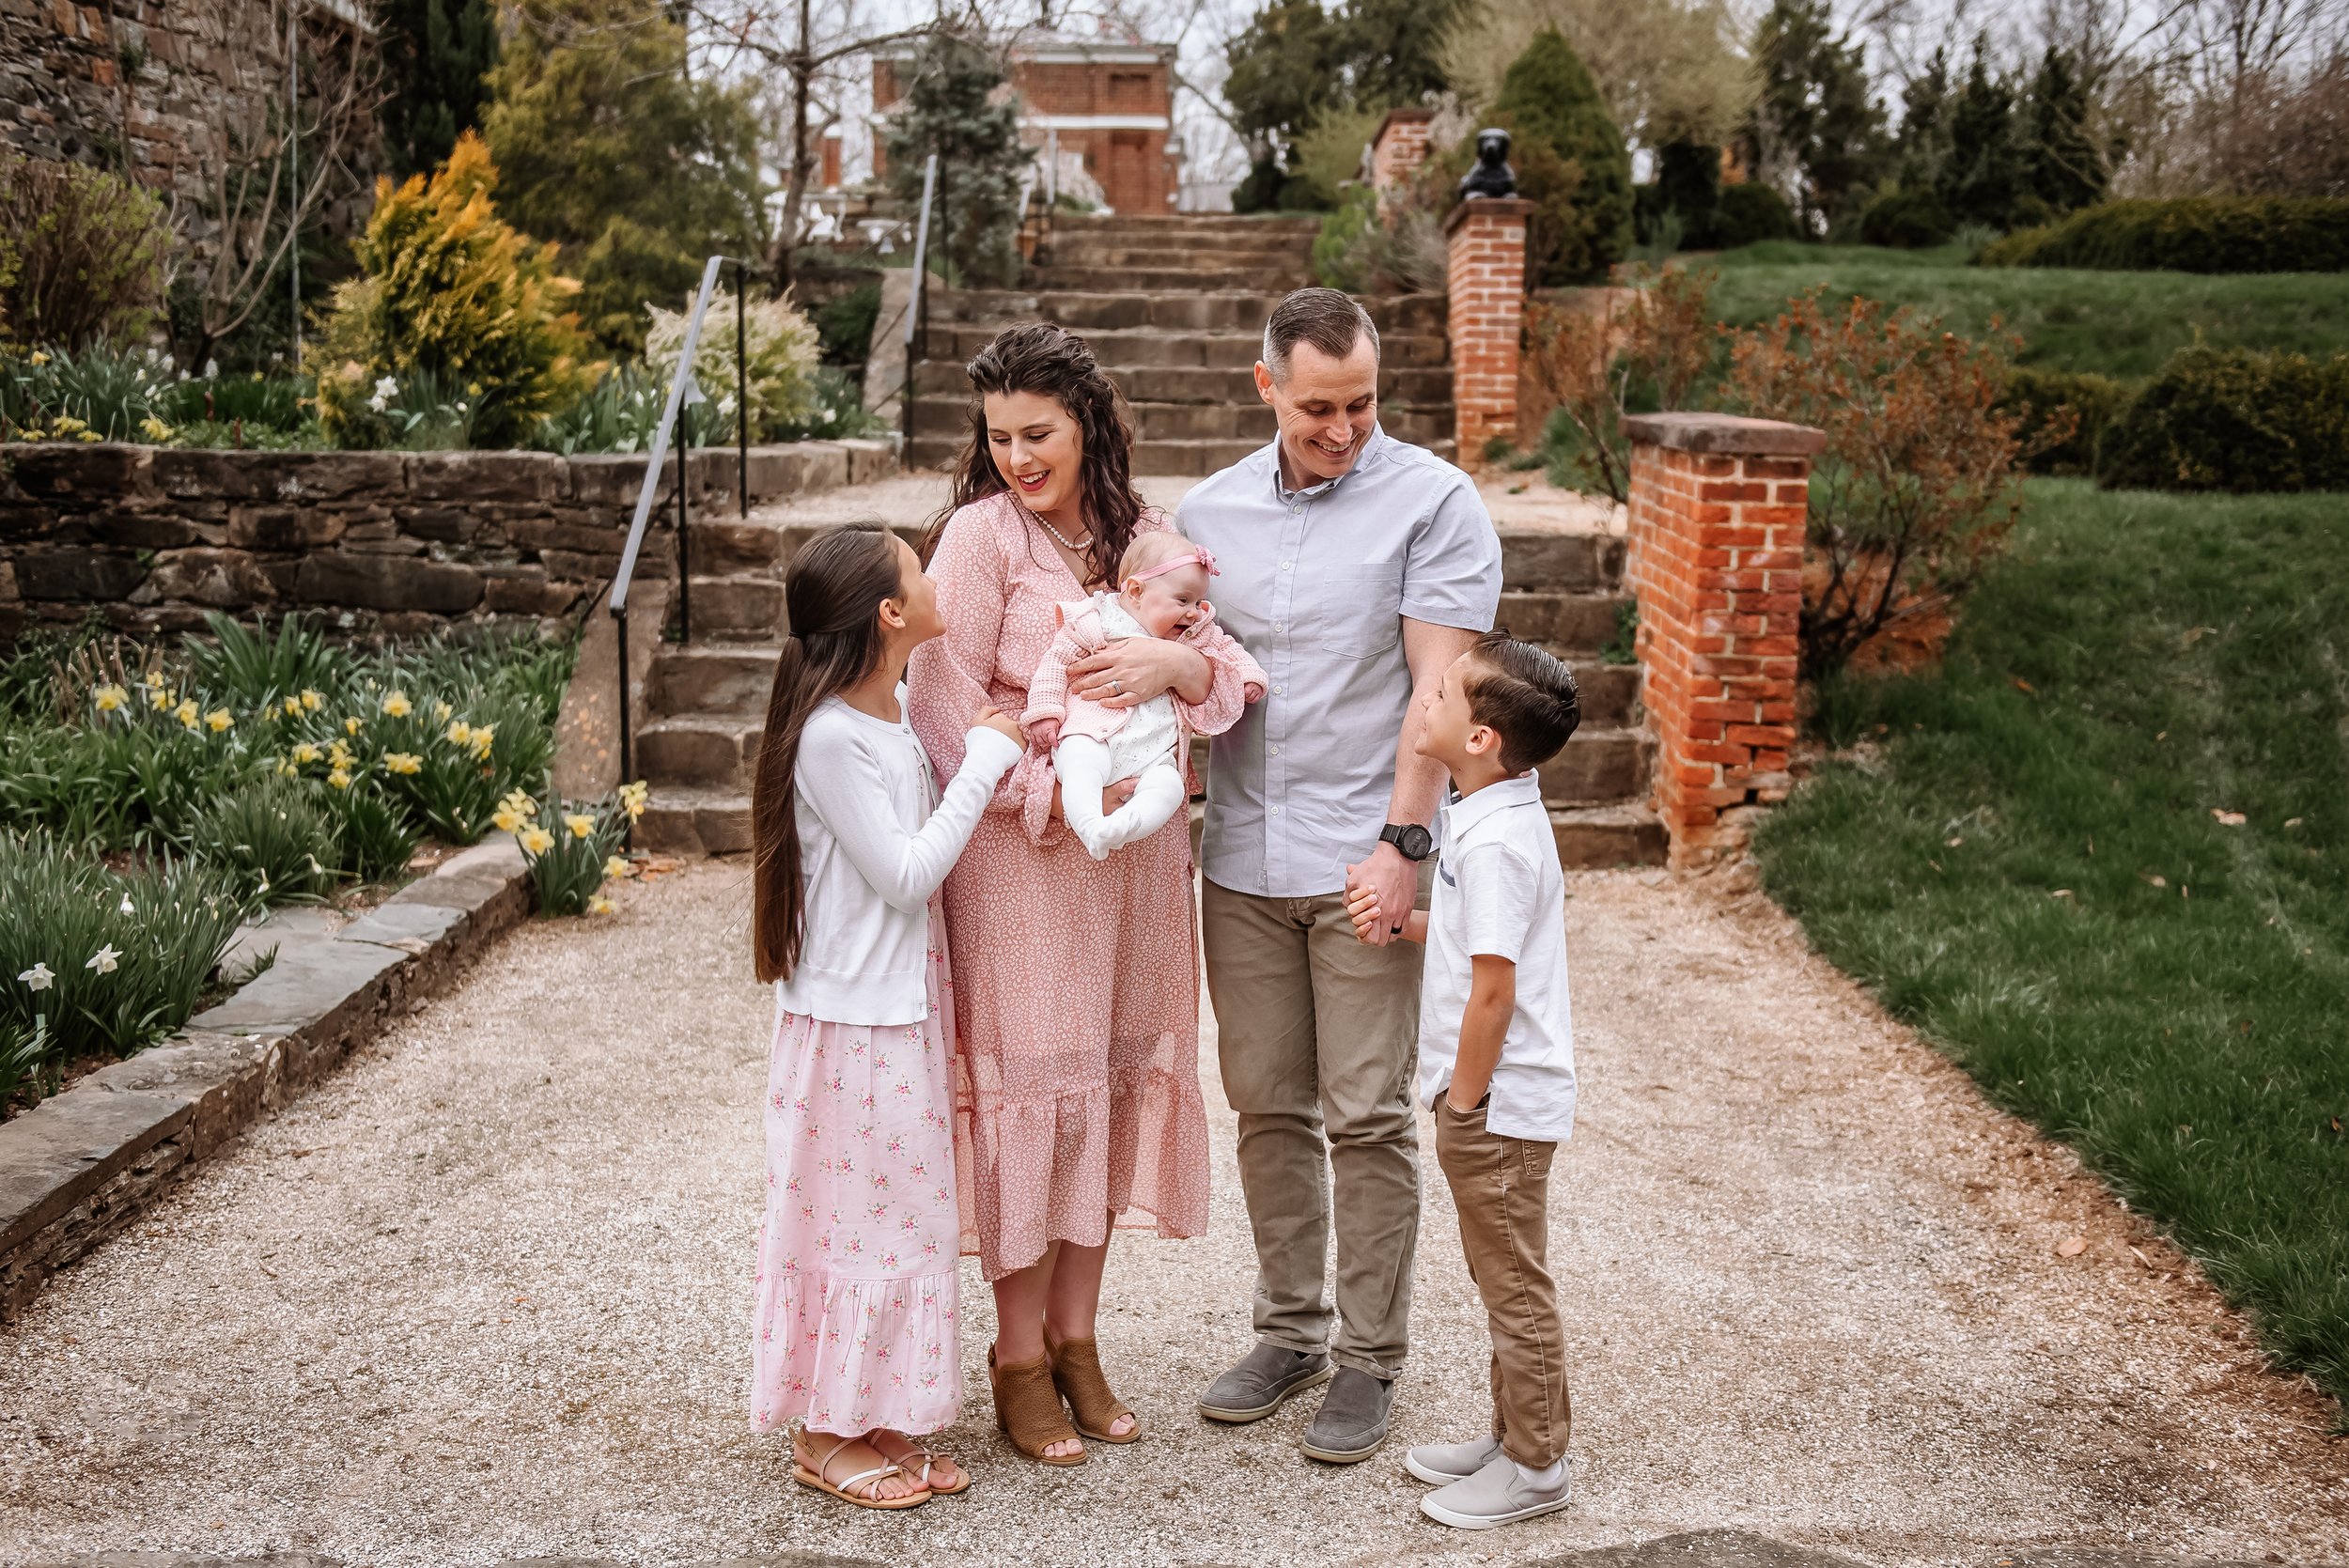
(875, 843)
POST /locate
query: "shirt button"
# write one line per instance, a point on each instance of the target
(1276, 750)
(1276, 810)
(1284, 566)
(1280, 690)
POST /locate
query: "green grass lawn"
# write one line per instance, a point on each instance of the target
(2120, 324)
(2021, 858)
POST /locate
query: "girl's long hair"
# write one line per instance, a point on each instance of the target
(1056, 364)
(833, 595)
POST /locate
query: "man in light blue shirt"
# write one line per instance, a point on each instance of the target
(1355, 567)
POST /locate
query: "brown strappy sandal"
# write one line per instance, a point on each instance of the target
(845, 1488)
(1028, 1410)
(1077, 1373)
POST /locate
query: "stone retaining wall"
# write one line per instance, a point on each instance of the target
(393, 542)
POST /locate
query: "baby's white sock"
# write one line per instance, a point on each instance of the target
(1545, 1478)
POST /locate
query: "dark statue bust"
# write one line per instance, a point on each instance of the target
(1492, 176)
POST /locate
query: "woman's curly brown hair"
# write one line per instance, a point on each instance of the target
(1054, 362)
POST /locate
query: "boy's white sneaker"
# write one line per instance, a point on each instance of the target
(1497, 1494)
(1442, 1464)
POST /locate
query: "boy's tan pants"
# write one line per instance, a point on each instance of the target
(1501, 1185)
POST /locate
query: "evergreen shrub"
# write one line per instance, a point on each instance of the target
(2191, 234)
(1750, 213)
(2036, 396)
(1908, 219)
(1548, 103)
(2228, 419)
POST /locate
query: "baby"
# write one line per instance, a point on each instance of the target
(1163, 592)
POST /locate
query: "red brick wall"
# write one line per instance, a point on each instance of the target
(1131, 167)
(1398, 150)
(1486, 284)
(1718, 510)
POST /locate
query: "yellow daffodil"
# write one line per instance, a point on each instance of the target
(579, 823)
(288, 770)
(109, 698)
(441, 712)
(293, 707)
(482, 735)
(311, 701)
(460, 733)
(535, 840)
(160, 701)
(617, 866)
(599, 905)
(507, 821)
(219, 719)
(398, 705)
(154, 428)
(87, 435)
(185, 712)
(305, 752)
(339, 779)
(155, 679)
(403, 762)
(632, 797)
(31, 434)
(65, 425)
(38, 359)
(353, 724)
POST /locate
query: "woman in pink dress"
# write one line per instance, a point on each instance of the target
(1075, 980)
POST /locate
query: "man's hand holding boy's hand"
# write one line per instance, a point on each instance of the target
(1363, 909)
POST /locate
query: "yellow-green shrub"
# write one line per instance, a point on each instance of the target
(450, 290)
(781, 349)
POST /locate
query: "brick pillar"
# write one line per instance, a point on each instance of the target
(1716, 537)
(1487, 280)
(1397, 149)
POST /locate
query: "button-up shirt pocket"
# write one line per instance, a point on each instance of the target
(1355, 611)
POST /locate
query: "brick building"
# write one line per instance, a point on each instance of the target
(1100, 110)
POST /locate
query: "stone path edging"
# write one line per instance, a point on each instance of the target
(80, 1165)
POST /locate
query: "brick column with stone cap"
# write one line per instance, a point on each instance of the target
(1397, 149)
(1486, 284)
(1718, 506)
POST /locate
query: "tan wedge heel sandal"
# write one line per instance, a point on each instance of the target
(1028, 1410)
(1077, 1373)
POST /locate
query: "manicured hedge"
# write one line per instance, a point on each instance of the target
(2218, 419)
(2037, 395)
(1908, 219)
(2195, 234)
(1748, 213)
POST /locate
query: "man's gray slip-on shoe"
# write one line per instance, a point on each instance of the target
(1442, 1464)
(1352, 1424)
(1265, 1377)
(1497, 1494)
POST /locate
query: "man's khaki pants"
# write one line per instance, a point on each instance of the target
(1320, 1038)
(1501, 1185)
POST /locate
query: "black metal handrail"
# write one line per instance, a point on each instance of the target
(673, 419)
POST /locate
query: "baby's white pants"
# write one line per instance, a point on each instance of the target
(1084, 767)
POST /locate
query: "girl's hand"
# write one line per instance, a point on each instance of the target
(993, 717)
(1135, 670)
(1362, 907)
(1044, 735)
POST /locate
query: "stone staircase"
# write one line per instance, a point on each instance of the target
(1175, 307)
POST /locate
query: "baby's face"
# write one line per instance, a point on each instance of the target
(1170, 604)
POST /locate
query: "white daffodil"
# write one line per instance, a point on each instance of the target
(37, 977)
(129, 907)
(104, 960)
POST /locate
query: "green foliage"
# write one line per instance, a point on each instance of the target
(571, 847)
(1688, 185)
(2219, 419)
(1272, 186)
(1296, 65)
(2040, 398)
(2190, 234)
(257, 402)
(951, 108)
(373, 836)
(1816, 118)
(844, 325)
(2030, 868)
(126, 954)
(620, 413)
(1548, 99)
(779, 347)
(98, 394)
(274, 837)
(1329, 153)
(836, 412)
(1910, 218)
(1750, 213)
(1983, 177)
(82, 255)
(449, 290)
(435, 54)
(2063, 167)
(1341, 258)
(249, 666)
(610, 146)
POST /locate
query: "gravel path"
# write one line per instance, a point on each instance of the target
(484, 1294)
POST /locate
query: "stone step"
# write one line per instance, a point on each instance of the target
(712, 678)
(689, 820)
(713, 751)
(736, 608)
(1171, 226)
(1540, 559)
(1205, 275)
(1087, 311)
(1597, 766)
(1595, 838)
(1411, 386)
(1583, 622)
(1250, 422)
(1134, 348)
(1291, 256)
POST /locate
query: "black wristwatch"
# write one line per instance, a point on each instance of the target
(1415, 841)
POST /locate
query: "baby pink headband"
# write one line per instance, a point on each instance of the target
(1200, 556)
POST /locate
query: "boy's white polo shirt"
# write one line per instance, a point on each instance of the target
(1498, 891)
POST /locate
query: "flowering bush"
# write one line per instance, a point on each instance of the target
(782, 349)
(573, 849)
(1638, 347)
(447, 287)
(100, 395)
(82, 253)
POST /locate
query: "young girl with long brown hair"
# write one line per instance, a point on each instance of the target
(856, 1333)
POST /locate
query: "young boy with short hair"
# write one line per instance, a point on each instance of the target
(1496, 1057)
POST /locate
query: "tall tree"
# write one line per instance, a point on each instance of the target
(1923, 143)
(1548, 97)
(1296, 60)
(2063, 167)
(435, 57)
(1815, 126)
(606, 146)
(1982, 181)
(952, 108)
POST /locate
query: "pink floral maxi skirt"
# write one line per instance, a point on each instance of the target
(856, 1324)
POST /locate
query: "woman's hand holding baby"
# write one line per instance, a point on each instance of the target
(1136, 669)
(989, 717)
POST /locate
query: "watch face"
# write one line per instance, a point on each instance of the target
(1413, 840)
